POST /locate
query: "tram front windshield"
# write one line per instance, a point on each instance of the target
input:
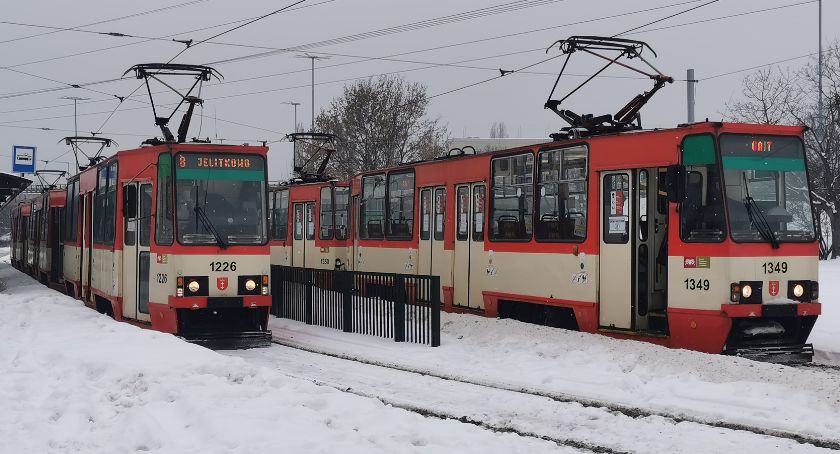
(766, 188)
(220, 199)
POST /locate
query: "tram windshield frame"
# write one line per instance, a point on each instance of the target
(220, 199)
(766, 188)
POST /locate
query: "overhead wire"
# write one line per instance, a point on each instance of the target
(389, 57)
(428, 65)
(130, 16)
(514, 71)
(237, 27)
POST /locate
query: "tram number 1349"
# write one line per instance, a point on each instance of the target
(697, 284)
(775, 267)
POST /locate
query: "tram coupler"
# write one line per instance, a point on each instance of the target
(780, 354)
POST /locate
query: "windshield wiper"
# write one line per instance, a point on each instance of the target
(205, 221)
(761, 224)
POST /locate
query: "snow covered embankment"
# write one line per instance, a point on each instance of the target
(826, 334)
(638, 374)
(72, 380)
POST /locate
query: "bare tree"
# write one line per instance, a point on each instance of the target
(498, 130)
(776, 97)
(380, 123)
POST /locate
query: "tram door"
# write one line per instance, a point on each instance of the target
(615, 270)
(469, 245)
(431, 254)
(303, 238)
(57, 251)
(85, 264)
(136, 236)
(298, 247)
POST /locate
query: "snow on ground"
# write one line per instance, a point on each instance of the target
(542, 416)
(715, 387)
(826, 334)
(72, 380)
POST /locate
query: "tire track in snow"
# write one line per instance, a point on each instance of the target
(632, 412)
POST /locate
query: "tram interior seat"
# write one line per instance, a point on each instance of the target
(400, 229)
(374, 229)
(510, 227)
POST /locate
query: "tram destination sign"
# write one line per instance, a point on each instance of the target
(219, 162)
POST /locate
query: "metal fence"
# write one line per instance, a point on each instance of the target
(402, 307)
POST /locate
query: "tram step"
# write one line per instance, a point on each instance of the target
(780, 354)
(231, 341)
(658, 313)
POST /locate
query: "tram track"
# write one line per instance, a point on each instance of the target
(632, 412)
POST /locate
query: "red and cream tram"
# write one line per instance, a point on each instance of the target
(48, 219)
(174, 236)
(699, 237)
(20, 236)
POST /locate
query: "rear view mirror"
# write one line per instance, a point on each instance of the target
(676, 182)
(130, 202)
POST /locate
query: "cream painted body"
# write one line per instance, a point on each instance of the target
(281, 255)
(107, 271)
(543, 275)
(71, 263)
(723, 271)
(167, 267)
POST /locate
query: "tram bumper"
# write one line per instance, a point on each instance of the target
(223, 323)
(774, 333)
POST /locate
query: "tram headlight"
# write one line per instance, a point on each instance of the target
(250, 285)
(193, 286)
(803, 291)
(746, 291)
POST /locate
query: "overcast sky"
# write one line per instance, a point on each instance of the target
(254, 88)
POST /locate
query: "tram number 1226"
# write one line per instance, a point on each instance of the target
(697, 284)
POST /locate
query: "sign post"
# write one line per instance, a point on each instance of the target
(23, 159)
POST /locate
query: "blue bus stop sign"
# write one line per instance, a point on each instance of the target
(23, 159)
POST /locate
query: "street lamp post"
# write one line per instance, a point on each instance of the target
(312, 58)
(295, 105)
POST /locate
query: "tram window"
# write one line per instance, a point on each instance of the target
(401, 206)
(440, 213)
(105, 205)
(130, 223)
(164, 234)
(478, 214)
(463, 212)
(310, 221)
(425, 214)
(342, 212)
(326, 218)
(298, 221)
(561, 214)
(145, 214)
(512, 198)
(616, 208)
(372, 210)
(70, 222)
(643, 202)
(280, 216)
(701, 214)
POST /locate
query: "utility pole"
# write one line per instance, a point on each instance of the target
(312, 58)
(819, 71)
(75, 112)
(690, 93)
(295, 104)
